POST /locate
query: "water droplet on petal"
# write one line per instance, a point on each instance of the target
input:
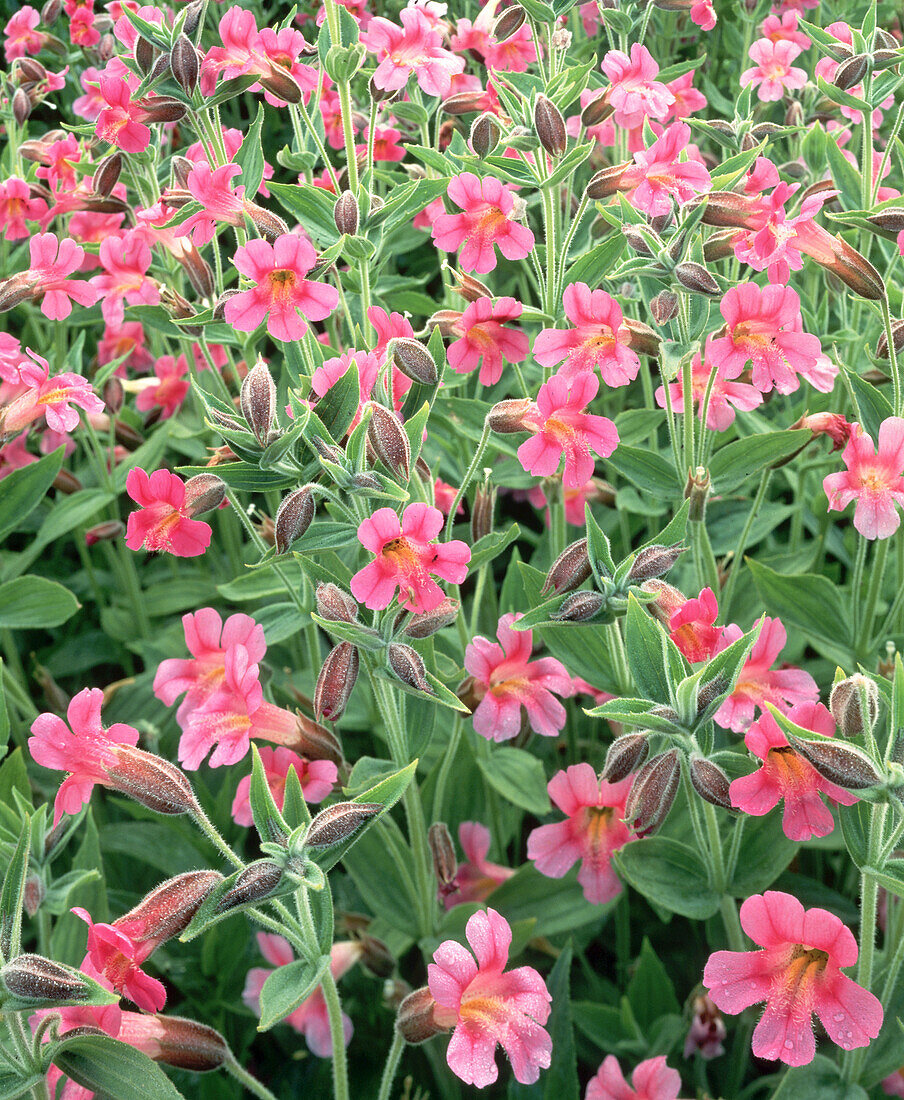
(838, 1017)
(789, 1044)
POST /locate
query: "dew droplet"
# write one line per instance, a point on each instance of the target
(789, 1044)
(838, 1017)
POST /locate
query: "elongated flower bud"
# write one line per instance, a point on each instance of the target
(422, 626)
(654, 561)
(843, 765)
(151, 781)
(653, 792)
(709, 692)
(339, 822)
(597, 111)
(413, 360)
(897, 331)
(345, 214)
(664, 307)
(550, 126)
(293, 518)
(316, 742)
(389, 441)
(184, 63)
(482, 512)
(108, 531)
(204, 492)
(846, 703)
(33, 894)
(710, 782)
(511, 21)
(280, 83)
(579, 607)
(269, 225)
(335, 682)
(415, 1021)
(376, 956)
(107, 173)
(570, 569)
(258, 401)
(175, 1041)
(256, 882)
(507, 417)
(625, 754)
(145, 53)
(160, 108)
(695, 277)
(168, 909)
(37, 980)
(408, 665)
(335, 604)
(485, 135)
(851, 72)
(471, 289)
(607, 181)
(442, 850)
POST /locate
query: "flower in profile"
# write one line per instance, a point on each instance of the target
(415, 47)
(591, 492)
(167, 389)
(220, 202)
(118, 121)
(475, 878)
(692, 626)
(598, 341)
(405, 557)
(55, 397)
(872, 478)
(773, 74)
(592, 830)
(562, 427)
(317, 778)
(164, 519)
(785, 774)
(118, 957)
(725, 396)
(485, 221)
(281, 294)
(634, 92)
(651, 1080)
(834, 425)
(485, 340)
(658, 175)
(22, 34)
(797, 973)
(506, 679)
(488, 1006)
(17, 206)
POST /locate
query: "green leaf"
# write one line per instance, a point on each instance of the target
(4, 715)
(557, 905)
(650, 991)
(595, 264)
(311, 206)
(764, 853)
(31, 602)
(820, 1080)
(287, 987)
(670, 874)
(808, 601)
(13, 892)
(268, 821)
(872, 404)
(379, 868)
(338, 406)
(598, 549)
(646, 469)
(489, 547)
(250, 156)
(560, 1082)
(66, 514)
(113, 1069)
(737, 462)
(646, 648)
(24, 489)
(12, 1086)
(844, 175)
(518, 776)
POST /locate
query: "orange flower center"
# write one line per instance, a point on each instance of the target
(282, 283)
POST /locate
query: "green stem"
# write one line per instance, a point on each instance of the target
(619, 657)
(337, 1036)
(466, 480)
(391, 1067)
(245, 1078)
(439, 791)
(892, 356)
(736, 561)
(877, 575)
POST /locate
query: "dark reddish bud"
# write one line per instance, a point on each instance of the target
(258, 401)
(335, 604)
(482, 512)
(269, 225)
(664, 307)
(160, 67)
(428, 623)
(851, 701)
(637, 241)
(885, 59)
(511, 21)
(409, 666)
(204, 492)
(654, 561)
(415, 1021)
(570, 569)
(448, 321)
(843, 765)
(377, 957)
(695, 277)
(27, 70)
(471, 289)
(596, 112)
(485, 134)
(710, 782)
(710, 692)
(606, 182)
(179, 308)
(891, 219)
(200, 274)
(193, 13)
(625, 754)
(226, 421)
(506, 417)
(366, 483)
(293, 518)
(463, 103)
(316, 742)
(851, 72)
(345, 214)
(256, 882)
(653, 792)
(106, 175)
(38, 980)
(108, 531)
(413, 360)
(184, 63)
(50, 13)
(181, 168)
(280, 83)
(151, 781)
(579, 607)
(550, 126)
(326, 450)
(14, 291)
(113, 395)
(106, 47)
(336, 681)
(168, 909)
(442, 849)
(339, 822)
(21, 106)
(33, 894)
(65, 481)
(145, 53)
(885, 40)
(161, 108)
(389, 441)
(174, 1041)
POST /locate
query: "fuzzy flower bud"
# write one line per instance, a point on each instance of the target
(409, 666)
(339, 822)
(413, 360)
(710, 782)
(184, 63)
(570, 569)
(335, 604)
(335, 682)
(428, 623)
(846, 703)
(511, 21)
(442, 849)
(37, 980)
(345, 214)
(109, 530)
(256, 882)
(485, 134)
(550, 126)
(654, 561)
(151, 781)
(293, 518)
(389, 441)
(653, 792)
(175, 1041)
(482, 512)
(695, 277)
(843, 765)
(506, 417)
(203, 493)
(625, 754)
(579, 607)
(415, 1021)
(106, 175)
(258, 401)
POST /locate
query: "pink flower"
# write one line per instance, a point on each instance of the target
(575, 501)
(760, 324)
(797, 973)
(873, 478)
(561, 427)
(651, 1080)
(386, 144)
(485, 341)
(125, 261)
(118, 957)
(488, 1006)
(476, 878)
(692, 627)
(443, 497)
(786, 775)
(164, 520)
(22, 35)
(83, 748)
(15, 455)
(52, 397)
(388, 326)
(236, 57)
(317, 778)
(368, 366)
(281, 293)
(773, 73)
(635, 94)
(52, 262)
(311, 1018)
(280, 51)
(167, 390)
(658, 175)
(17, 206)
(592, 830)
(704, 14)
(725, 397)
(415, 47)
(118, 122)
(599, 340)
(405, 557)
(219, 201)
(759, 683)
(485, 221)
(774, 242)
(777, 28)
(82, 31)
(506, 679)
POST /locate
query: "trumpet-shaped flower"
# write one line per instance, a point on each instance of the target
(634, 92)
(317, 778)
(773, 74)
(651, 1080)
(119, 120)
(592, 830)
(872, 478)
(485, 221)
(725, 396)
(692, 626)
(657, 175)
(475, 878)
(485, 341)
(488, 1006)
(118, 957)
(54, 397)
(220, 202)
(167, 389)
(22, 34)
(163, 521)
(125, 261)
(415, 47)
(598, 341)
(797, 973)
(405, 557)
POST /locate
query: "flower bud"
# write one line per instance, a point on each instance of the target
(151, 781)
(707, 1031)
(485, 134)
(851, 72)
(145, 53)
(106, 175)
(108, 531)
(413, 360)
(625, 754)
(507, 417)
(471, 289)
(482, 512)
(184, 63)
(258, 401)
(579, 607)
(654, 561)
(710, 782)
(269, 225)
(885, 59)
(193, 13)
(570, 569)
(664, 307)
(376, 956)
(606, 182)
(637, 241)
(596, 112)
(336, 681)
(339, 822)
(345, 214)
(293, 518)
(710, 691)
(113, 395)
(365, 483)
(37, 980)
(511, 20)
(653, 792)
(50, 13)
(160, 108)
(175, 1041)
(33, 894)
(335, 604)
(280, 83)
(550, 126)
(695, 277)
(843, 765)
(846, 703)
(327, 450)
(415, 1021)
(891, 219)
(442, 849)
(256, 882)
(21, 106)
(696, 491)
(897, 330)
(409, 666)
(168, 909)
(390, 442)
(204, 492)
(200, 275)
(429, 622)
(316, 742)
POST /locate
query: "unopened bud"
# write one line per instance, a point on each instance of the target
(50, 13)
(345, 214)
(485, 134)
(144, 54)
(579, 607)
(897, 329)
(339, 822)
(293, 518)
(482, 512)
(376, 956)
(365, 483)
(429, 622)
(415, 1021)
(442, 850)
(653, 792)
(851, 72)
(168, 909)
(203, 493)
(596, 112)
(847, 701)
(280, 83)
(471, 289)
(710, 782)
(843, 765)
(108, 531)
(413, 360)
(184, 63)
(606, 182)
(550, 126)
(625, 754)
(506, 417)
(37, 980)
(336, 680)
(664, 307)
(33, 894)
(106, 175)
(161, 108)
(258, 400)
(409, 666)
(709, 692)
(507, 24)
(316, 742)
(654, 561)
(200, 275)
(335, 604)
(151, 781)
(175, 1041)
(269, 225)
(256, 882)
(21, 106)
(696, 278)
(570, 569)
(637, 241)
(696, 491)
(390, 442)
(891, 219)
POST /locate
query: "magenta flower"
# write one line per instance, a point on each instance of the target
(485, 341)
(317, 778)
(485, 221)
(415, 47)
(119, 120)
(592, 830)
(506, 679)
(281, 293)
(776, 28)
(489, 1007)
(759, 683)
(658, 175)
(220, 202)
(16, 207)
(22, 35)
(52, 397)
(785, 774)
(83, 748)
(52, 262)
(761, 327)
(797, 973)
(873, 478)
(476, 878)
(773, 73)
(598, 341)
(167, 389)
(405, 557)
(635, 93)
(164, 520)
(651, 1080)
(118, 957)
(125, 261)
(692, 627)
(561, 427)
(726, 394)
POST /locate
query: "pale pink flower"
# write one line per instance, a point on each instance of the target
(317, 778)
(16, 207)
(405, 557)
(726, 394)
(280, 51)
(506, 679)
(688, 99)
(592, 830)
(52, 262)
(59, 164)
(598, 341)
(485, 221)
(873, 478)
(118, 956)
(415, 47)
(514, 54)
(386, 144)
(14, 455)
(82, 31)
(167, 390)
(444, 496)
(127, 342)
(89, 105)
(475, 878)
(281, 294)
(658, 175)
(55, 397)
(119, 121)
(485, 341)
(560, 426)
(22, 35)
(797, 973)
(236, 57)
(635, 93)
(773, 73)
(651, 1080)
(163, 521)
(575, 500)
(488, 1006)
(125, 261)
(777, 28)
